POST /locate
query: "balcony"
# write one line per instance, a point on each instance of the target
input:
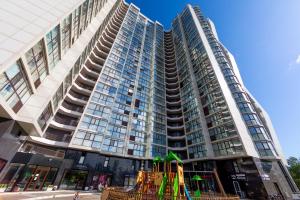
(90, 72)
(63, 122)
(58, 135)
(70, 109)
(175, 127)
(93, 66)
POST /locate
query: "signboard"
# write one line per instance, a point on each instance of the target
(238, 177)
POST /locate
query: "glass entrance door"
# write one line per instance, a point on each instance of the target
(38, 178)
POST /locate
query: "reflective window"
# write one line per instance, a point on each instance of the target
(264, 148)
(45, 116)
(93, 123)
(68, 81)
(52, 40)
(75, 23)
(112, 145)
(136, 149)
(66, 34)
(14, 86)
(90, 13)
(197, 151)
(229, 147)
(88, 139)
(98, 110)
(36, 61)
(84, 9)
(58, 96)
(158, 151)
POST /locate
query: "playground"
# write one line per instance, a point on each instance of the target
(168, 181)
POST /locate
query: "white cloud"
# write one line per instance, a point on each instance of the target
(295, 64)
(298, 60)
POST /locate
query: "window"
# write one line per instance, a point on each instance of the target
(245, 107)
(68, 81)
(14, 86)
(90, 13)
(66, 34)
(197, 151)
(229, 147)
(102, 99)
(45, 116)
(58, 96)
(119, 119)
(88, 139)
(136, 149)
(76, 67)
(137, 136)
(98, 110)
(52, 40)
(257, 133)
(116, 131)
(159, 139)
(264, 148)
(195, 137)
(93, 124)
(106, 89)
(36, 61)
(112, 145)
(75, 25)
(251, 119)
(83, 16)
(158, 151)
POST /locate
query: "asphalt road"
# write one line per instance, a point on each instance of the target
(57, 195)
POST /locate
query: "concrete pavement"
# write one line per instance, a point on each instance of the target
(46, 195)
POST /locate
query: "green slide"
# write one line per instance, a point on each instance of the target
(162, 187)
(175, 187)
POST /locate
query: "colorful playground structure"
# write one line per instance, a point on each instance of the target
(168, 184)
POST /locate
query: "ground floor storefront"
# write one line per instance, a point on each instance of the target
(77, 170)
(22, 177)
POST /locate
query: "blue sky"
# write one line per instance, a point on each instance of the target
(264, 37)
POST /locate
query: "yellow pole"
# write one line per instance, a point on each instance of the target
(219, 182)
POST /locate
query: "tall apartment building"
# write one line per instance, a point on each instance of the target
(93, 89)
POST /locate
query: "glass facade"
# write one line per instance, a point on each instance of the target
(53, 45)
(14, 86)
(58, 96)
(135, 92)
(75, 23)
(169, 96)
(36, 61)
(66, 34)
(45, 116)
(117, 115)
(256, 128)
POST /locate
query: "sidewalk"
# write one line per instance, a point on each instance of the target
(49, 192)
(44, 195)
